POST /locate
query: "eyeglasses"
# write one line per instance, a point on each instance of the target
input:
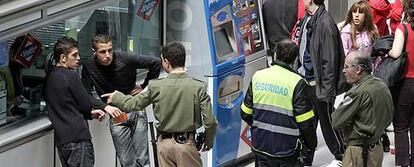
(346, 66)
(357, 65)
(104, 51)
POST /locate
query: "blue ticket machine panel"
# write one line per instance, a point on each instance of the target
(217, 34)
(210, 34)
(227, 92)
(227, 39)
(227, 99)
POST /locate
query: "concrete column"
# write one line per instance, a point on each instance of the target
(338, 8)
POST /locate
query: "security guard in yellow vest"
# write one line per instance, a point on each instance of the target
(279, 111)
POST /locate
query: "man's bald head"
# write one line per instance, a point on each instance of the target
(361, 59)
(357, 64)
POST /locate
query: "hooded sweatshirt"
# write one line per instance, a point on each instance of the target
(363, 41)
(380, 12)
(395, 15)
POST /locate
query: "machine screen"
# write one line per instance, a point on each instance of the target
(223, 45)
(229, 89)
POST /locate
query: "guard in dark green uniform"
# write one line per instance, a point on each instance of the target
(366, 111)
(279, 111)
(181, 105)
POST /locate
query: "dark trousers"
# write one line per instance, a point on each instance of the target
(404, 122)
(263, 160)
(333, 138)
(78, 154)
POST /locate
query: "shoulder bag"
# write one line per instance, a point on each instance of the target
(391, 70)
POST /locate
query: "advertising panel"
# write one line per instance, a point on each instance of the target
(28, 51)
(147, 8)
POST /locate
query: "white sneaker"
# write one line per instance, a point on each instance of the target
(335, 163)
(390, 128)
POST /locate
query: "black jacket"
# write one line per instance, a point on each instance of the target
(327, 55)
(120, 75)
(279, 17)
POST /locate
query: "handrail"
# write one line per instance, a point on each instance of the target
(24, 131)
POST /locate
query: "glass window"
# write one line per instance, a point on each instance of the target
(131, 32)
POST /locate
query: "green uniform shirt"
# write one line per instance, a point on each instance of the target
(180, 104)
(366, 111)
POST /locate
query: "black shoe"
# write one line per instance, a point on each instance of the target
(307, 157)
(387, 148)
(386, 142)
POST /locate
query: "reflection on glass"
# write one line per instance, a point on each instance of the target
(130, 33)
(229, 89)
(223, 45)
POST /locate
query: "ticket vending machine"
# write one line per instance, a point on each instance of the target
(254, 47)
(222, 38)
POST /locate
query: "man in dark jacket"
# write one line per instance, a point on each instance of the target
(320, 62)
(69, 107)
(279, 111)
(108, 71)
(279, 19)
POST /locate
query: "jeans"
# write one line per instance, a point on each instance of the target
(404, 122)
(78, 154)
(131, 140)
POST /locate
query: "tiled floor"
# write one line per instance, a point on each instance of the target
(323, 157)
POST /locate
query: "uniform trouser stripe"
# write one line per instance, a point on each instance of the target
(333, 138)
(276, 129)
(338, 134)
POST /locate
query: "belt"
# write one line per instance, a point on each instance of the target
(166, 135)
(179, 137)
(371, 145)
